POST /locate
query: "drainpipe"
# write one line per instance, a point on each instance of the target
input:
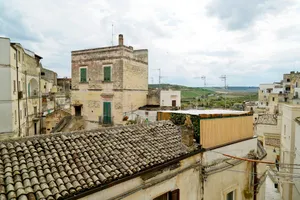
(39, 96)
(19, 121)
(26, 89)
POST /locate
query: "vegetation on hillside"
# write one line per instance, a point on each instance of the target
(208, 98)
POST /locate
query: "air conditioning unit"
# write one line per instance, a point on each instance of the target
(20, 94)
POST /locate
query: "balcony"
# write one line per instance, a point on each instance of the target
(106, 120)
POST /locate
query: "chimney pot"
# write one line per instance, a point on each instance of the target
(121, 40)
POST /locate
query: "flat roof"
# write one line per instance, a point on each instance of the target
(206, 112)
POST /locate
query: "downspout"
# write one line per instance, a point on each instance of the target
(19, 120)
(40, 113)
(26, 88)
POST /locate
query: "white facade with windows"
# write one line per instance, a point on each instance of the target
(289, 150)
(20, 98)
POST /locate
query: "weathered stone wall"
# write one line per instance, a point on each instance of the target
(128, 87)
(92, 104)
(49, 76)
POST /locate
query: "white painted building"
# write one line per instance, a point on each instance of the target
(20, 99)
(170, 98)
(290, 131)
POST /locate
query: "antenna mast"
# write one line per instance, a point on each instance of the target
(112, 34)
(204, 79)
(223, 78)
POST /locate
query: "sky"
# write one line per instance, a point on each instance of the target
(249, 41)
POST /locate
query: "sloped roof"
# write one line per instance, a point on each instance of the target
(66, 164)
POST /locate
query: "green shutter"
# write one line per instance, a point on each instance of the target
(107, 73)
(82, 74)
(106, 112)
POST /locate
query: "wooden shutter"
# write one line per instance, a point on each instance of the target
(82, 74)
(175, 195)
(107, 73)
(106, 112)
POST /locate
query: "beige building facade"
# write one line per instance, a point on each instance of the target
(20, 100)
(109, 82)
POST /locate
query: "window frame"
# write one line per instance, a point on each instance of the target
(110, 78)
(14, 86)
(86, 75)
(170, 195)
(235, 189)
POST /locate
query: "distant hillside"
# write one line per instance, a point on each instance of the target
(186, 92)
(193, 92)
(235, 89)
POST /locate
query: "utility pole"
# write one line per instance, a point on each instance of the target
(159, 77)
(223, 78)
(204, 79)
(112, 34)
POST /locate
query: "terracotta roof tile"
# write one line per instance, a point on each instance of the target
(59, 165)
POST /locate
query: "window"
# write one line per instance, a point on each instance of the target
(14, 86)
(35, 110)
(19, 57)
(288, 80)
(23, 57)
(230, 196)
(24, 111)
(83, 75)
(173, 195)
(273, 98)
(107, 73)
(14, 56)
(15, 116)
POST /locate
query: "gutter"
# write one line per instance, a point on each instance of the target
(153, 168)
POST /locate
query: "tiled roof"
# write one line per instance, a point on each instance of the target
(275, 142)
(65, 164)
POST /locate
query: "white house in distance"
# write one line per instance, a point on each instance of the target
(170, 98)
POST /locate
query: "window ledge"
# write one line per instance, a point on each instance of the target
(84, 82)
(106, 81)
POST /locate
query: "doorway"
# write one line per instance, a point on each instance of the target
(77, 110)
(174, 103)
(35, 129)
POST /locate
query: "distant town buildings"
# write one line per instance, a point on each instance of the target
(20, 99)
(28, 91)
(109, 82)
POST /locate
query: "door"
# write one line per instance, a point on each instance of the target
(106, 112)
(35, 129)
(174, 103)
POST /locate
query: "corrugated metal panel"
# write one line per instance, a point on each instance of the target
(219, 131)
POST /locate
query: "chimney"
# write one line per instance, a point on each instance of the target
(121, 41)
(187, 133)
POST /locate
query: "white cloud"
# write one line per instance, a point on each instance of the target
(185, 39)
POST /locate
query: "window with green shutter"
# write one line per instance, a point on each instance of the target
(83, 75)
(107, 73)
